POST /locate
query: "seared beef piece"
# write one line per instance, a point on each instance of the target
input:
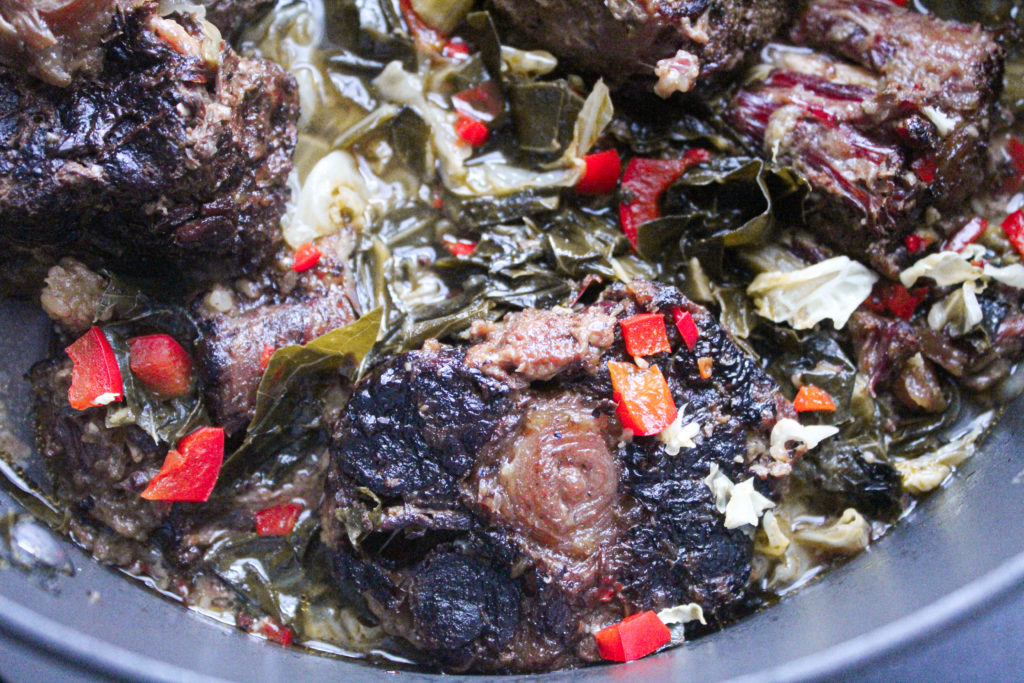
(486, 506)
(689, 40)
(889, 355)
(903, 128)
(232, 344)
(164, 160)
(234, 16)
(97, 472)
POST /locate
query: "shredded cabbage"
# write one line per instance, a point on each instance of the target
(831, 289)
(741, 504)
(678, 436)
(682, 614)
(787, 430)
(851, 533)
(335, 196)
(959, 310)
(927, 472)
(946, 267)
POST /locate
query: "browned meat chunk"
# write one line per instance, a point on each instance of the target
(682, 42)
(892, 117)
(488, 507)
(173, 157)
(235, 344)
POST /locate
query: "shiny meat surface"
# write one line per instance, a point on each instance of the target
(173, 158)
(891, 116)
(684, 41)
(531, 477)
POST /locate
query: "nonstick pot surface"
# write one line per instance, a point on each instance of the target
(961, 547)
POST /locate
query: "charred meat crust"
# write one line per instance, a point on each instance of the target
(162, 162)
(622, 41)
(529, 477)
(232, 17)
(891, 116)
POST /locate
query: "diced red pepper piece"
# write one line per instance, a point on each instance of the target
(1015, 149)
(645, 403)
(645, 334)
(471, 131)
(95, 376)
(925, 168)
(274, 631)
(634, 637)
(481, 103)
(974, 229)
(278, 520)
(161, 363)
(602, 172)
(686, 326)
(460, 247)
(914, 242)
(811, 398)
(306, 256)
(705, 365)
(644, 181)
(1013, 226)
(456, 49)
(424, 35)
(265, 356)
(190, 471)
(892, 297)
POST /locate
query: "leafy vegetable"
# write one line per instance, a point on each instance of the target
(286, 401)
(831, 289)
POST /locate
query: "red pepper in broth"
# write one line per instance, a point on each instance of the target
(278, 520)
(686, 326)
(634, 637)
(189, 473)
(161, 363)
(602, 172)
(95, 377)
(1013, 226)
(974, 229)
(644, 181)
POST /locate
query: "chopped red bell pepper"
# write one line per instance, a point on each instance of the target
(273, 631)
(914, 242)
(645, 334)
(634, 637)
(645, 404)
(265, 356)
(602, 172)
(456, 49)
(705, 365)
(471, 131)
(1015, 150)
(95, 376)
(306, 256)
(892, 297)
(460, 247)
(686, 326)
(925, 168)
(424, 35)
(481, 103)
(644, 181)
(811, 398)
(190, 471)
(278, 520)
(1013, 226)
(161, 363)
(974, 229)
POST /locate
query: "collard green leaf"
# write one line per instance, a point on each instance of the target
(287, 402)
(727, 203)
